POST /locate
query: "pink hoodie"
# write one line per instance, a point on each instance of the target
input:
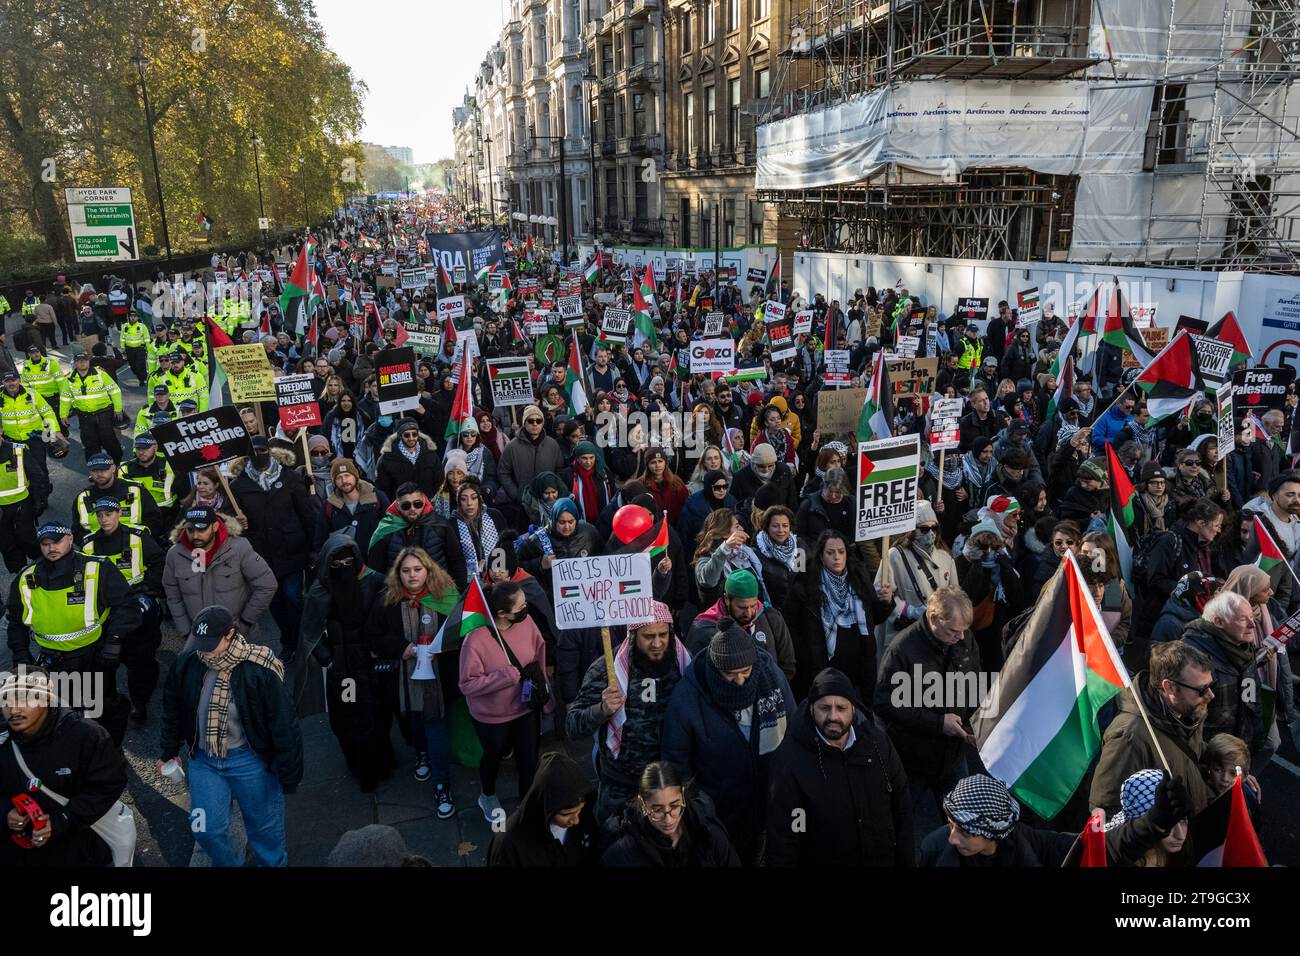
(489, 683)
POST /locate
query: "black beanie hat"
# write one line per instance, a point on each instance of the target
(732, 648)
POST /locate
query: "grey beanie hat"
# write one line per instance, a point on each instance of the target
(732, 647)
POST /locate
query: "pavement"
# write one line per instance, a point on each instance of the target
(328, 803)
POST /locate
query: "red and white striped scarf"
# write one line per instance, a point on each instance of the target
(622, 666)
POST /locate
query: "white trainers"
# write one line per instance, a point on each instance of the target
(491, 807)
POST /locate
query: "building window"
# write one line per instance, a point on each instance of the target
(638, 46)
(686, 32)
(642, 198)
(729, 223)
(684, 211)
(606, 60)
(762, 8)
(690, 123)
(638, 114)
(710, 117)
(622, 116)
(618, 51)
(611, 193)
(733, 106)
(709, 25)
(733, 15)
(761, 83)
(609, 123)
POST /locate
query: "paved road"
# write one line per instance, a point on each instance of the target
(328, 803)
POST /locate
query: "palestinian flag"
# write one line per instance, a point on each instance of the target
(888, 460)
(654, 540)
(1089, 849)
(592, 272)
(1067, 350)
(643, 296)
(463, 617)
(1120, 519)
(1260, 432)
(299, 284)
(1227, 330)
(482, 274)
(729, 449)
(528, 250)
(443, 282)
(877, 418)
(774, 278)
(1172, 379)
(1037, 730)
(749, 370)
(573, 387)
(1270, 555)
(217, 338)
(1114, 322)
(1064, 387)
(462, 406)
(1222, 834)
(517, 332)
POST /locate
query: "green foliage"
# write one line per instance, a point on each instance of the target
(223, 76)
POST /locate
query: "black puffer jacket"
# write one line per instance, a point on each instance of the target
(703, 842)
(1236, 706)
(857, 809)
(78, 760)
(264, 706)
(281, 521)
(394, 469)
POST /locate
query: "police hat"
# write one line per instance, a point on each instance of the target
(161, 390)
(145, 440)
(99, 462)
(107, 504)
(53, 530)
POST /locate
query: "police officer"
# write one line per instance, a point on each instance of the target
(17, 514)
(98, 402)
(140, 511)
(75, 608)
(26, 418)
(43, 375)
(157, 347)
(152, 470)
(137, 555)
(181, 382)
(158, 412)
(135, 341)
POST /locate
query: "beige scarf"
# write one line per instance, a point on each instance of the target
(218, 716)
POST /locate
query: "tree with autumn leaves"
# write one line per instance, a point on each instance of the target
(224, 77)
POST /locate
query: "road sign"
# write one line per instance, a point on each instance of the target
(102, 222)
(263, 223)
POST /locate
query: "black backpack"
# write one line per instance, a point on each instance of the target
(1142, 556)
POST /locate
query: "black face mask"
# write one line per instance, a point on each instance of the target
(262, 459)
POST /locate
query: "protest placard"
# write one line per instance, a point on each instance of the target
(398, 388)
(906, 346)
(615, 324)
(713, 325)
(602, 591)
(1028, 306)
(945, 416)
(1227, 430)
(570, 306)
(298, 399)
(803, 322)
(838, 410)
(971, 309)
(712, 355)
(887, 476)
(413, 280)
(780, 335)
(248, 372)
(511, 382)
(912, 377)
(203, 439)
(1260, 389)
(1213, 356)
(451, 307)
(459, 274)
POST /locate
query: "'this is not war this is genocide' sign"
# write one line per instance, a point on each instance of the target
(602, 591)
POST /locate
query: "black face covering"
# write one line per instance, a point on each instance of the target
(711, 478)
(262, 459)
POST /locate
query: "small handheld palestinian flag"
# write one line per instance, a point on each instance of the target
(462, 406)
(1223, 834)
(482, 274)
(774, 278)
(1064, 388)
(592, 272)
(469, 613)
(1120, 519)
(1089, 850)
(573, 387)
(1037, 730)
(1270, 557)
(877, 418)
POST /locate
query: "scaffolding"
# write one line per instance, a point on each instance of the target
(1224, 147)
(841, 49)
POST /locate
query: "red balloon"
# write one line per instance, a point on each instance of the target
(632, 521)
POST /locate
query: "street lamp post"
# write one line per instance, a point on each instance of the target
(257, 167)
(561, 194)
(492, 189)
(138, 60)
(591, 78)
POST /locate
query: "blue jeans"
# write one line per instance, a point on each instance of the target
(286, 608)
(432, 736)
(213, 780)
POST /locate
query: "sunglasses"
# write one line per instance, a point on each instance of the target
(320, 454)
(410, 434)
(1199, 691)
(532, 421)
(720, 486)
(410, 505)
(928, 527)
